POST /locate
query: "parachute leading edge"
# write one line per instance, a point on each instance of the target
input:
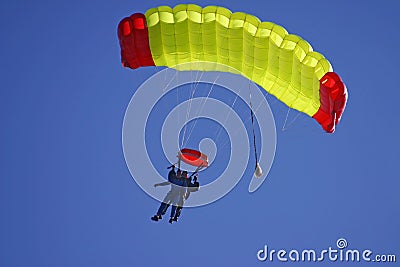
(283, 64)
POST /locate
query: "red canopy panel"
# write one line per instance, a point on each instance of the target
(193, 157)
(333, 97)
(134, 41)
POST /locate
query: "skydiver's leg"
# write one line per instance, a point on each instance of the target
(163, 207)
(167, 201)
(179, 208)
(173, 213)
(175, 201)
(178, 213)
(159, 212)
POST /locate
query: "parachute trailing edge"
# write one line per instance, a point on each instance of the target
(283, 64)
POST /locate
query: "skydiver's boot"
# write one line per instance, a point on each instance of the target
(171, 220)
(154, 218)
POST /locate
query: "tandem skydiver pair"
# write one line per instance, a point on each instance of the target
(181, 187)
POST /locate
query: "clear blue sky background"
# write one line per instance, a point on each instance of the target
(67, 197)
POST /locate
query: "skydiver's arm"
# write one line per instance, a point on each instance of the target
(162, 184)
(193, 186)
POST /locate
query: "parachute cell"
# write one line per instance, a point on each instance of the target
(283, 64)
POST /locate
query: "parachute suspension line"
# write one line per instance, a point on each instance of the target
(245, 122)
(179, 163)
(252, 125)
(257, 171)
(193, 87)
(177, 89)
(287, 115)
(192, 90)
(196, 171)
(187, 111)
(226, 35)
(287, 126)
(227, 116)
(177, 98)
(170, 81)
(197, 80)
(202, 106)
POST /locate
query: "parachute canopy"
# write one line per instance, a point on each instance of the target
(283, 64)
(193, 157)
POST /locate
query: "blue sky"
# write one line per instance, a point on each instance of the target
(67, 197)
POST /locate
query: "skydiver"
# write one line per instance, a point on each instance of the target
(190, 187)
(178, 201)
(179, 176)
(176, 188)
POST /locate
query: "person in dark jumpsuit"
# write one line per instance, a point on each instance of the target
(177, 186)
(190, 187)
(179, 176)
(178, 201)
